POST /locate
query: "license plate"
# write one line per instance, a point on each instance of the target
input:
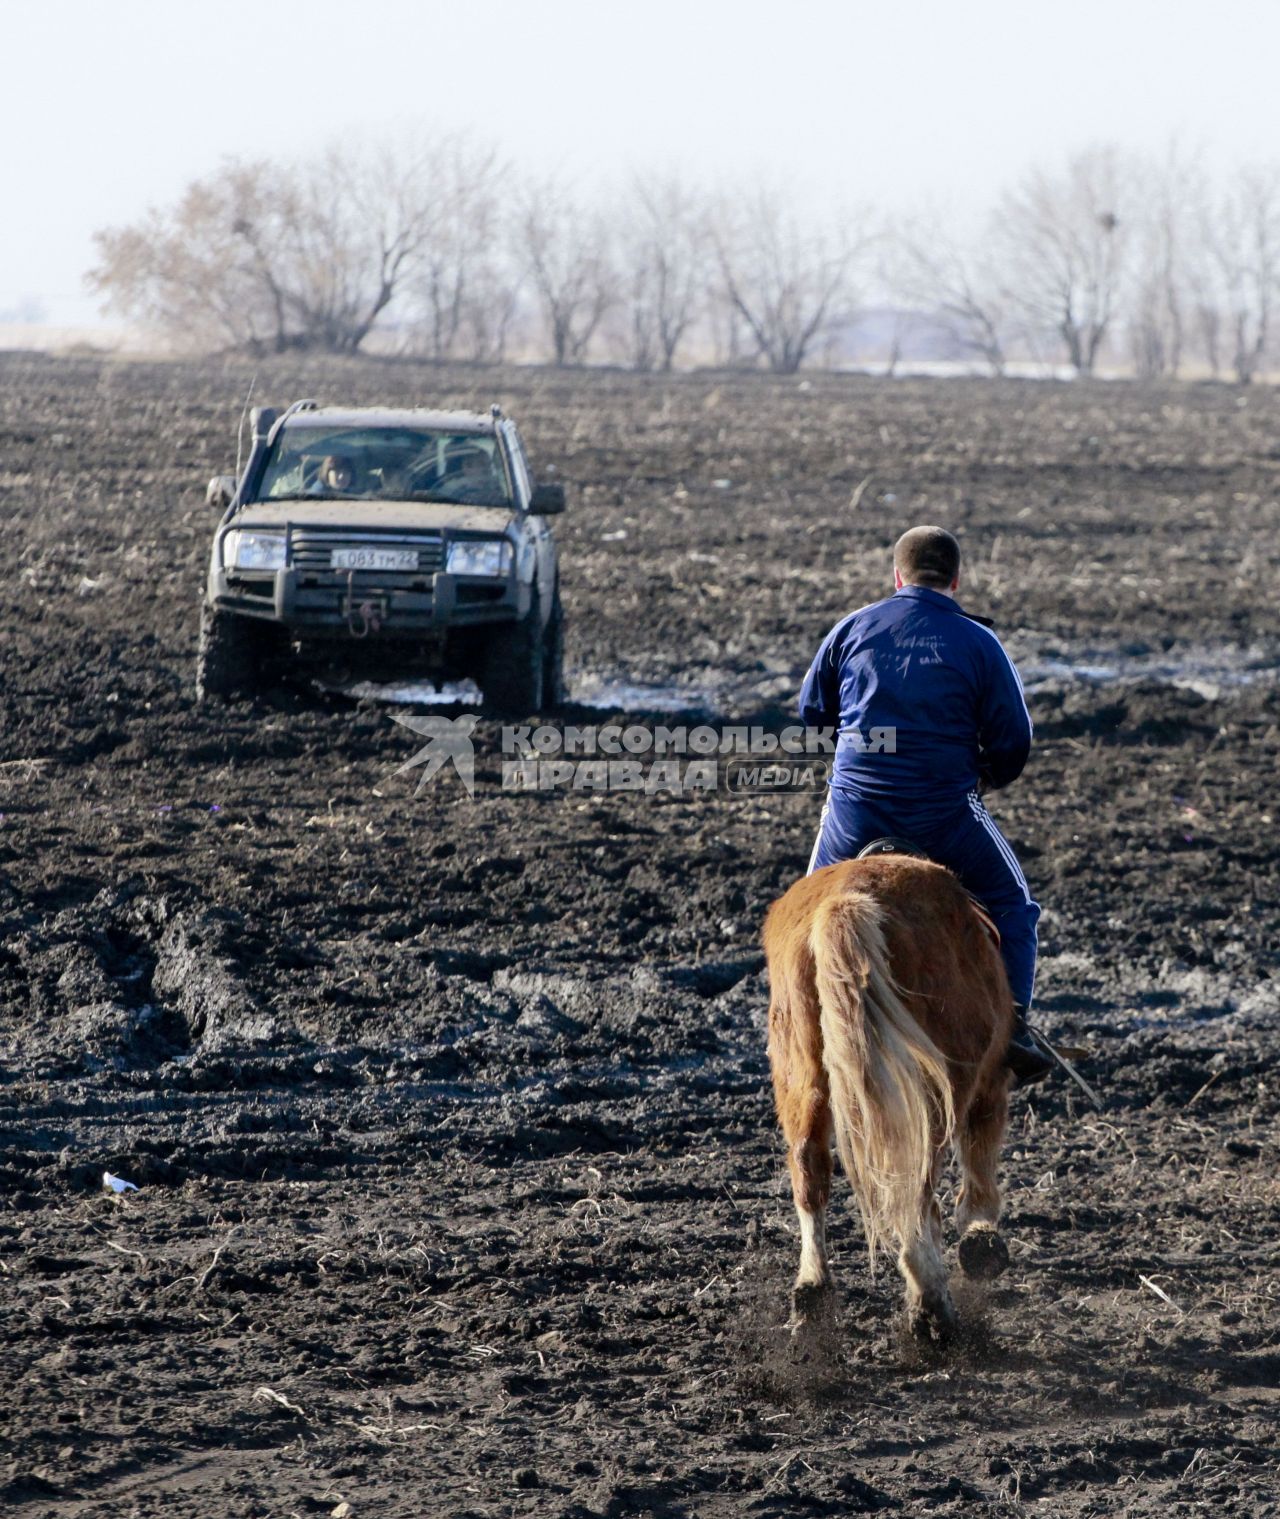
(374, 559)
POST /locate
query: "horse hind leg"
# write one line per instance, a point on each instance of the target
(803, 1096)
(808, 1133)
(931, 1314)
(983, 1254)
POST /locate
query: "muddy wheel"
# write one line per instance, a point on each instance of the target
(513, 664)
(553, 692)
(229, 659)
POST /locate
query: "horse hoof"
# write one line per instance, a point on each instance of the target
(983, 1255)
(933, 1323)
(811, 1302)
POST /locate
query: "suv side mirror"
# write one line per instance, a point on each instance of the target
(547, 500)
(220, 491)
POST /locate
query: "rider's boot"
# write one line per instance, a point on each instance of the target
(1025, 1059)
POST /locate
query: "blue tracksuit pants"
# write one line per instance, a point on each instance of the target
(966, 840)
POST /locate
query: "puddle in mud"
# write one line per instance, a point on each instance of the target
(630, 696)
(1210, 673)
(418, 693)
(584, 691)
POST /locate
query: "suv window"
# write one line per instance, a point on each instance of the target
(384, 464)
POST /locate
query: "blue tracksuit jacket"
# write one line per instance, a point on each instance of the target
(927, 705)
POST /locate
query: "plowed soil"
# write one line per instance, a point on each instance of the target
(458, 1188)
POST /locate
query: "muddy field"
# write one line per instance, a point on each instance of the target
(459, 1191)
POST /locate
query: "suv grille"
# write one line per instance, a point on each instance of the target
(310, 549)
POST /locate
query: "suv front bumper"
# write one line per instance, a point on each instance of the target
(338, 601)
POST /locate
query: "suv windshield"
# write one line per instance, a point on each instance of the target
(385, 464)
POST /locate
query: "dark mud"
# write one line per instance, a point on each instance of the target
(459, 1189)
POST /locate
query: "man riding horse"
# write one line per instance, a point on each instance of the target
(952, 721)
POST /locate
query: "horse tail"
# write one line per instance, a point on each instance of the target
(891, 1096)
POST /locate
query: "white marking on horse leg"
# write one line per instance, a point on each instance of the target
(814, 1270)
(978, 1203)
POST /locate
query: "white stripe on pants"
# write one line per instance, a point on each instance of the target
(980, 812)
(822, 823)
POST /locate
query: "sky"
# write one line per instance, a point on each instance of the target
(106, 110)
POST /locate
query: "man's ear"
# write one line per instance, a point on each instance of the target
(955, 584)
(897, 578)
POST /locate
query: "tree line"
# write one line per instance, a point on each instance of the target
(439, 246)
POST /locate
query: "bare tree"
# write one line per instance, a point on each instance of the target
(373, 223)
(950, 283)
(490, 308)
(353, 223)
(787, 280)
(732, 345)
(1156, 321)
(193, 272)
(276, 257)
(462, 288)
(662, 256)
(564, 248)
(1240, 274)
(1059, 242)
(1168, 199)
(1207, 315)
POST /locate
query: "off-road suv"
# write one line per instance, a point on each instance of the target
(382, 544)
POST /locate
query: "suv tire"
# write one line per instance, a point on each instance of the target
(553, 691)
(229, 657)
(513, 664)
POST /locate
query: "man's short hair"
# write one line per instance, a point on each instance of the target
(927, 556)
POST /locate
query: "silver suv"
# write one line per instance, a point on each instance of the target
(385, 543)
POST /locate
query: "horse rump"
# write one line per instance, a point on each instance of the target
(888, 1019)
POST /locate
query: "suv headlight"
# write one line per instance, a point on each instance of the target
(481, 557)
(253, 551)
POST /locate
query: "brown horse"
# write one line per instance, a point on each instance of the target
(889, 1019)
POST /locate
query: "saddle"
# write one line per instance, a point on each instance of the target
(890, 845)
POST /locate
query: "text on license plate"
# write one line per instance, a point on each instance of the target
(374, 559)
